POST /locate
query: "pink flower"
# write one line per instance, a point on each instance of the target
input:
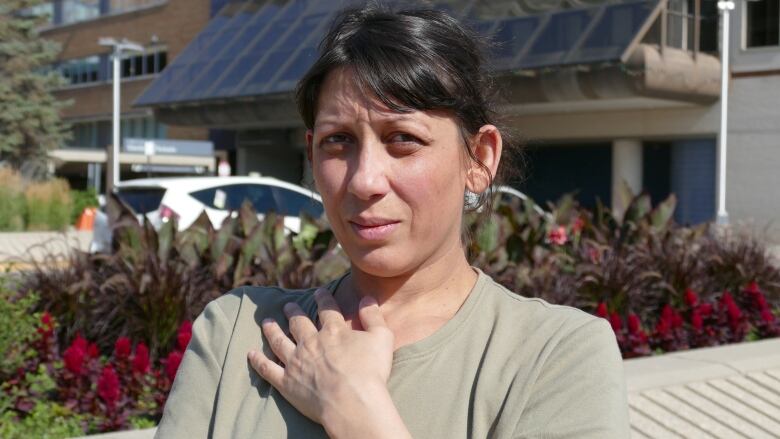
(691, 298)
(601, 310)
(122, 348)
(184, 335)
(141, 359)
(616, 322)
(172, 364)
(108, 386)
(633, 323)
(557, 235)
(594, 255)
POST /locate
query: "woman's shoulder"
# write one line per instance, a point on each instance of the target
(259, 302)
(535, 310)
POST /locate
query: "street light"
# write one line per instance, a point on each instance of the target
(112, 168)
(725, 7)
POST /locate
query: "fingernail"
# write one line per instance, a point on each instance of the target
(267, 321)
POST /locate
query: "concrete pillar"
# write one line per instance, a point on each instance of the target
(626, 166)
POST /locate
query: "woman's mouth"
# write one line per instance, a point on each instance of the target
(373, 230)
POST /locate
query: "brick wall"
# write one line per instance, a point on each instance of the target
(174, 23)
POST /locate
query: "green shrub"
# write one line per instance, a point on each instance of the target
(47, 420)
(49, 205)
(17, 328)
(12, 203)
(82, 200)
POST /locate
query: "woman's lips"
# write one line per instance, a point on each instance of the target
(375, 232)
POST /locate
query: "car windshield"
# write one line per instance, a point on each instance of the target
(142, 200)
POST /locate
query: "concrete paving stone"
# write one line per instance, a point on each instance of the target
(719, 408)
(699, 425)
(643, 423)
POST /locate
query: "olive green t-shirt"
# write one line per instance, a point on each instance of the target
(504, 366)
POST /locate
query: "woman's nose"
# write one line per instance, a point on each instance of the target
(368, 173)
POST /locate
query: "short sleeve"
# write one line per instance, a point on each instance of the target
(581, 390)
(189, 409)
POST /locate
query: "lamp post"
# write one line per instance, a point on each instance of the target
(112, 156)
(725, 6)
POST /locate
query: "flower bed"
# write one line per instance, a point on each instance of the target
(102, 347)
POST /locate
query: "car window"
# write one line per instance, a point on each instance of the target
(292, 203)
(230, 197)
(142, 200)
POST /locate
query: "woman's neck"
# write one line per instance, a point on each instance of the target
(414, 304)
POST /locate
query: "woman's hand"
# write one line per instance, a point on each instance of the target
(336, 376)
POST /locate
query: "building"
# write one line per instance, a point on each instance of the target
(163, 28)
(603, 92)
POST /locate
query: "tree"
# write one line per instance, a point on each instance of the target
(30, 123)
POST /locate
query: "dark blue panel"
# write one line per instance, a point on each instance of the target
(557, 38)
(612, 34)
(294, 71)
(510, 38)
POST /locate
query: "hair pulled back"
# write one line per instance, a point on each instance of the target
(410, 60)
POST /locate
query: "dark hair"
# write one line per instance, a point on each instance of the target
(410, 60)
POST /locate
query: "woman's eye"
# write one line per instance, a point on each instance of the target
(335, 142)
(336, 138)
(403, 138)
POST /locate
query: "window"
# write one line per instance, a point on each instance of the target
(762, 23)
(79, 10)
(292, 203)
(80, 71)
(115, 6)
(97, 133)
(142, 128)
(141, 64)
(142, 200)
(231, 197)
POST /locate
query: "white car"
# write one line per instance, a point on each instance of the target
(184, 198)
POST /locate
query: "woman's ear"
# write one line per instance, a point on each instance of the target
(487, 147)
(309, 140)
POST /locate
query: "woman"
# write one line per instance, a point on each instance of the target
(412, 342)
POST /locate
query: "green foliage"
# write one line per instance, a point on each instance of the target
(49, 205)
(30, 124)
(47, 420)
(82, 200)
(17, 327)
(12, 203)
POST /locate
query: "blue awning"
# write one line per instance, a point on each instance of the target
(256, 48)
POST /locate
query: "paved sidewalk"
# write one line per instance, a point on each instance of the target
(18, 249)
(725, 392)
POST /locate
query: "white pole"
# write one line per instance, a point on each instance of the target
(115, 117)
(725, 7)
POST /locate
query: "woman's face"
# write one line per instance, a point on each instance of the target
(392, 183)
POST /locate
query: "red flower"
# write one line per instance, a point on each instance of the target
(734, 312)
(767, 316)
(726, 298)
(705, 309)
(172, 364)
(122, 348)
(47, 325)
(108, 386)
(184, 335)
(633, 323)
(696, 320)
(73, 357)
(752, 287)
(616, 322)
(594, 255)
(141, 359)
(691, 298)
(662, 327)
(80, 342)
(93, 351)
(760, 300)
(667, 313)
(601, 310)
(557, 235)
